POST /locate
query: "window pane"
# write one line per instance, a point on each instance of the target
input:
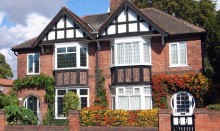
(146, 52)
(36, 59)
(128, 53)
(135, 103)
(83, 102)
(137, 90)
(182, 53)
(66, 60)
(83, 92)
(61, 92)
(136, 53)
(113, 103)
(61, 50)
(83, 56)
(71, 49)
(30, 64)
(174, 54)
(147, 102)
(147, 90)
(113, 56)
(123, 102)
(128, 91)
(120, 55)
(113, 91)
(60, 106)
(121, 91)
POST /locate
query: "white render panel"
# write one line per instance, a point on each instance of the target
(132, 16)
(60, 24)
(190, 121)
(69, 33)
(60, 34)
(51, 35)
(111, 29)
(144, 26)
(122, 28)
(79, 33)
(175, 121)
(182, 120)
(69, 23)
(122, 17)
(133, 27)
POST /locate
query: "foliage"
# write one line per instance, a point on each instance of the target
(100, 99)
(70, 101)
(6, 100)
(49, 120)
(5, 69)
(38, 81)
(95, 108)
(215, 107)
(20, 115)
(165, 85)
(142, 118)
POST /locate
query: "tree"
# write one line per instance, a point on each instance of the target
(70, 101)
(5, 69)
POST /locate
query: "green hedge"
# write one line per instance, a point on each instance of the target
(142, 118)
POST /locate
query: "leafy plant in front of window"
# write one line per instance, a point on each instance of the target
(7, 100)
(70, 101)
(100, 99)
(166, 85)
(20, 115)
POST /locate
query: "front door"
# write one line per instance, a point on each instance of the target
(32, 103)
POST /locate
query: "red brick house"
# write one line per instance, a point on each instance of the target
(5, 86)
(128, 44)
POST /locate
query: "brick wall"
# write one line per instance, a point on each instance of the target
(35, 128)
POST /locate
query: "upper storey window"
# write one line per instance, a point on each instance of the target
(178, 54)
(70, 56)
(131, 52)
(33, 63)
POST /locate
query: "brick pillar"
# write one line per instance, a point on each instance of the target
(2, 120)
(164, 120)
(74, 124)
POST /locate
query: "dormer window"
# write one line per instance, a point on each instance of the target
(33, 63)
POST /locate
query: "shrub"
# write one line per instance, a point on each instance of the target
(6, 100)
(49, 120)
(165, 85)
(215, 107)
(70, 101)
(143, 118)
(20, 115)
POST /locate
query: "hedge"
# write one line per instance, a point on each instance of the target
(140, 118)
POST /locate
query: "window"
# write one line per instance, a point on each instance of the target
(70, 56)
(33, 63)
(131, 53)
(83, 94)
(178, 54)
(131, 98)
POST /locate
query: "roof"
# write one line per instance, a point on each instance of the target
(27, 44)
(6, 82)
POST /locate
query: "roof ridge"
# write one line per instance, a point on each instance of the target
(175, 18)
(93, 15)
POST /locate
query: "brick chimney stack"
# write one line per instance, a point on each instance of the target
(114, 4)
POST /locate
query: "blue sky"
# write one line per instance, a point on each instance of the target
(21, 20)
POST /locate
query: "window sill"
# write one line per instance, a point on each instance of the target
(30, 74)
(131, 65)
(177, 66)
(57, 69)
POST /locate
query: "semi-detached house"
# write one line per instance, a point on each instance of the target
(129, 44)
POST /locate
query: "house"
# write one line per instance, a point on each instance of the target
(128, 44)
(5, 86)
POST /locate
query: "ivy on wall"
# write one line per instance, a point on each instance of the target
(166, 85)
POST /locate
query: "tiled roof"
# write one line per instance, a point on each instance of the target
(27, 44)
(6, 82)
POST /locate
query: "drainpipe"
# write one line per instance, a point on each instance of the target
(42, 49)
(97, 64)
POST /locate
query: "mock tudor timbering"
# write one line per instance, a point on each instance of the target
(129, 44)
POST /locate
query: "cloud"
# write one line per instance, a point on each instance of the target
(11, 36)
(2, 15)
(218, 4)
(17, 10)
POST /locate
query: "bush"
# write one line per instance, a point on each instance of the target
(20, 115)
(70, 101)
(215, 107)
(50, 121)
(6, 100)
(143, 118)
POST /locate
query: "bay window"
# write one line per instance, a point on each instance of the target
(33, 63)
(178, 54)
(68, 56)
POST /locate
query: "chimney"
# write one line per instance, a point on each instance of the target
(114, 4)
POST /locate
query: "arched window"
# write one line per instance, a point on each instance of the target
(182, 103)
(32, 103)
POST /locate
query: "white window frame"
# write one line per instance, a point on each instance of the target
(178, 52)
(33, 64)
(78, 46)
(141, 94)
(139, 40)
(68, 88)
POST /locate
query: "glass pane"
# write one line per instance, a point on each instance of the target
(71, 49)
(30, 63)
(147, 90)
(128, 53)
(121, 91)
(182, 53)
(174, 54)
(61, 50)
(135, 103)
(61, 92)
(136, 90)
(32, 104)
(83, 60)
(36, 58)
(120, 54)
(66, 60)
(147, 102)
(146, 52)
(123, 102)
(113, 56)
(83, 102)
(83, 92)
(60, 106)
(113, 91)
(136, 53)
(113, 103)
(128, 91)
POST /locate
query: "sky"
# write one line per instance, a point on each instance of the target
(21, 20)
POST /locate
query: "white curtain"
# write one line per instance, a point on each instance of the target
(128, 53)
(136, 52)
(146, 52)
(147, 102)
(182, 53)
(120, 53)
(174, 54)
(135, 102)
(123, 102)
